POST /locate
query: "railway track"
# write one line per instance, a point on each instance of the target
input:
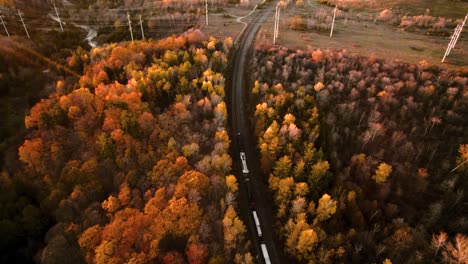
(255, 207)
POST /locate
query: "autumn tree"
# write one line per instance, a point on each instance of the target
(382, 173)
(231, 183)
(439, 241)
(283, 167)
(197, 254)
(306, 243)
(132, 160)
(456, 251)
(269, 146)
(294, 229)
(234, 230)
(326, 208)
(462, 160)
(361, 112)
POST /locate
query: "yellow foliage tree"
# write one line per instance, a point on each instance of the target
(231, 183)
(234, 229)
(294, 229)
(319, 170)
(326, 208)
(462, 161)
(269, 146)
(256, 87)
(382, 173)
(288, 119)
(307, 241)
(111, 205)
(283, 167)
(285, 189)
(301, 189)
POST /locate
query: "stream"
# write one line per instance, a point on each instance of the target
(92, 33)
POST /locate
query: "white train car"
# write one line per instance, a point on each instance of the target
(257, 223)
(266, 257)
(244, 163)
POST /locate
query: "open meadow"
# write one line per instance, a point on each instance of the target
(309, 26)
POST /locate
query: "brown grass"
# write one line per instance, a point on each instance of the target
(368, 38)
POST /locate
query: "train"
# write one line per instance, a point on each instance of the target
(245, 170)
(257, 223)
(266, 257)
(263, 247)
(245, 174)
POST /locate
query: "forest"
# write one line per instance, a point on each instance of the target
(366, 158)
(122, 153)
(129, 162)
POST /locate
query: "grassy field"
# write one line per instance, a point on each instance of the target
(446, 8)
(222, 27)
(367, 38)
(223, 23)
(455, 9)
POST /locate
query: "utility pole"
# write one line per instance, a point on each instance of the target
(22, 21)
(454, 38)
(333, 23)
(130, 25)
(277, 22)
(206, 11)
(142, 32)
(6, 30)
(276, 26)
(59, 20)
(450, 45)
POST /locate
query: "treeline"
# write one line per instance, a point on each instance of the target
(366, 157)
(160, 19)
(287, 125)
(321, 19)
(27, 73)
(130, 164)
(167, 4)
(423, 23)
